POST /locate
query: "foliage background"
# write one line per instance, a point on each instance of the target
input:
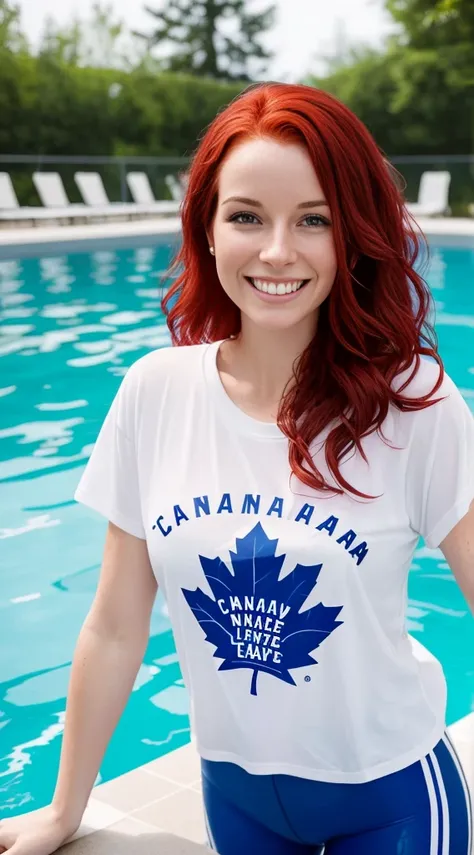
(80, 94)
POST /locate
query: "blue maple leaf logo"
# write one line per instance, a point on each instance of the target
(255, 621)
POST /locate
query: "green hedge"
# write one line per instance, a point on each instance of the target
(48, 107)
(411, 101)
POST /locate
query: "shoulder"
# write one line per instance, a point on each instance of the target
(159, 379)
(424, 381)
(164, 364)
(445, 409)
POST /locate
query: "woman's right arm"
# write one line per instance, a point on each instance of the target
(108, 654)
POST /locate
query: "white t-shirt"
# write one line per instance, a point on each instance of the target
(287, 605)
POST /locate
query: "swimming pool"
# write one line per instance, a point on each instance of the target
(70, 325)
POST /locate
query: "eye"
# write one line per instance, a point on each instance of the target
(244, 218)
(316, 220)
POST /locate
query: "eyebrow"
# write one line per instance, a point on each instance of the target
(315, 203)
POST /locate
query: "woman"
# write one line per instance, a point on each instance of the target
(273, 473)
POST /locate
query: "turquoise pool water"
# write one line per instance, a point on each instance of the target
(69, 328)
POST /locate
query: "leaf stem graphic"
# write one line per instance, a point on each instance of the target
(253, 687)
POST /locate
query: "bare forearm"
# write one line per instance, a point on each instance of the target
(103, 673)
(458, 549)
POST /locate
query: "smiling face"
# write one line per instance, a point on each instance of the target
(272, 235)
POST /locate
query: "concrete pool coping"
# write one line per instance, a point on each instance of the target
(157, 808)
(26, 242)
(32, 241)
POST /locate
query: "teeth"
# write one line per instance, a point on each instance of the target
(279, 288)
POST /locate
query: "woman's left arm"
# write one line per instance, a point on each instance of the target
(458, 549)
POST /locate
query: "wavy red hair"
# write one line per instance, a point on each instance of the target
(373, 325)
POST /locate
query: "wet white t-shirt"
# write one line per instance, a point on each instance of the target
(287, 605)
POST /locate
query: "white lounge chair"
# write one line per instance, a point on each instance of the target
(433, 195)
(142, 194)
(52, 194)
(57, 207)
(50, 189)
(93, 192)
(175, 187)
(140, 188)
(92, 189)
(11, 211)
(8, 199)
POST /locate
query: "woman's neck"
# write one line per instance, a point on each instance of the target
(257, 366)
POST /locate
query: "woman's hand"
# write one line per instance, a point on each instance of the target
(38, 833)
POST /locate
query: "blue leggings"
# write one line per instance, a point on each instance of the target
(421, 810)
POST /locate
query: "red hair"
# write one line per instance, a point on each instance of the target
(374, 323)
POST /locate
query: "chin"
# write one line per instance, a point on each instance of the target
(280, 320)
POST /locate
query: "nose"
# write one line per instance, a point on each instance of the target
(278, 250)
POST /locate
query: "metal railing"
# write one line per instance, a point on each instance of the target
(114, 174)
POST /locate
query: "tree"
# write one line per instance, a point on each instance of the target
(417, 94)
(98, 41)
(11, 35)
(440, 33)
(210, 38)
(101, 38)
(434, 23)
(61, 45)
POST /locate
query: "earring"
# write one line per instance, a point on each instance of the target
(211, 250)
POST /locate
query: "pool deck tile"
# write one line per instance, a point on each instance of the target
(130, 792)
(97, 816)
(181, 766)
(180, 814)
(128, 836)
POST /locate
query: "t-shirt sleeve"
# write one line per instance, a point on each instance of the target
(440, 474)
(110, 481)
